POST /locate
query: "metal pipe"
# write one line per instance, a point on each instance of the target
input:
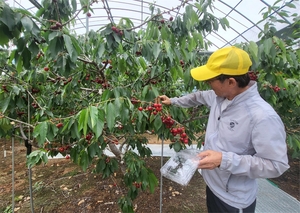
(29, 168)
(161, 177)
(13, 171)
(36, 4)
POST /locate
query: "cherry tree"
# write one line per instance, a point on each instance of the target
(80, 95)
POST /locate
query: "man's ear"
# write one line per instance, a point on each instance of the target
(232, 81)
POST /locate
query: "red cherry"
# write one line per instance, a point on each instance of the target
(183, 135)
(61, 149)
(113, 28)
(59, 125)
(140, 108)
(46, 69)
(67, 156)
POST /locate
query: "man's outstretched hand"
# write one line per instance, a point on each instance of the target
(165, 99)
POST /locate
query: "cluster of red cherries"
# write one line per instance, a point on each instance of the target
(253, 75)
(177, 132)
(154, 109)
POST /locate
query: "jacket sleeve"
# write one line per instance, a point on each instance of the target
(270, 159)
(195, 99)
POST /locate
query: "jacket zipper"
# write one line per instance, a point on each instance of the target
(227, 184)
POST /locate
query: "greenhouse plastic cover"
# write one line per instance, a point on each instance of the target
(243, 16)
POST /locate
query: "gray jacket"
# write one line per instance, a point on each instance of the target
(251, 137)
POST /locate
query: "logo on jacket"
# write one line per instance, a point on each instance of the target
(232, 124)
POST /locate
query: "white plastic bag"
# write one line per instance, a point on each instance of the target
(181, 167)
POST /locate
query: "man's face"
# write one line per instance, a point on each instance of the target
(220, 88)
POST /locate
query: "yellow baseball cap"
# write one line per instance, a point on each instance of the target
(228, 61)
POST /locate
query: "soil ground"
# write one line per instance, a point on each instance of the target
(61, 186)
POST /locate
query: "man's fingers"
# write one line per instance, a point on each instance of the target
(162, 97)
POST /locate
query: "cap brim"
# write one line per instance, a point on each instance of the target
(202, 73)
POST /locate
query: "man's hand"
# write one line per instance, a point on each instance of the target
(165, 99)
(209, 159)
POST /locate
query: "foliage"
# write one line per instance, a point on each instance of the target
(276, 66)
(80, 95)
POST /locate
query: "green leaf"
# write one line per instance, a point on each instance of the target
(198, 39)
(36, 157)
(4, 39)
(92, 149)
(40, 132)
(40, 12)
(83, 121)
(20, 64)
(267, 45)
(16, 89)
(177, 146)
(142, 63)
(26, 56)
(101, 49)
(27, 23)
(93, 116)
(164, 33)
(84, 160)
(110, 115)
(52, 131)
(253, 48)
(4, 104)
(156, 50)
(152, 182)
(55, 46)
(74, 6)
(145, 91)
(100, 165)
(157, 123)
(155, 91)
(124, 111)
(71, 50)
(76, 45)
(8, 17)
(168, 49)
(53, 35)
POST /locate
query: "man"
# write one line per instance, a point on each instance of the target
(245, 138)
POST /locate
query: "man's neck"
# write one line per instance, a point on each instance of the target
(237, 92)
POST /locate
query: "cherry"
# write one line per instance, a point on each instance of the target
(61, 149)
(114, 28)
(59, 125)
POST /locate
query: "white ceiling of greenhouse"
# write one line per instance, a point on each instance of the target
(243, 16)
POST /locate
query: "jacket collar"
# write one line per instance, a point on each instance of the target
(250, 92)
